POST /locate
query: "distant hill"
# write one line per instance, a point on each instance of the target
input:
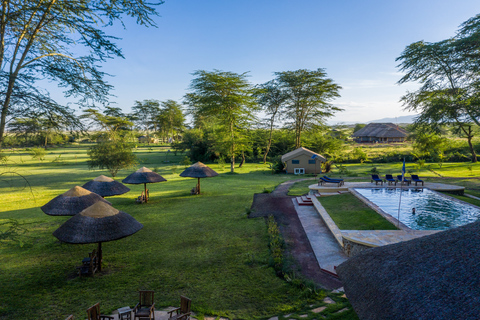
(402, 119)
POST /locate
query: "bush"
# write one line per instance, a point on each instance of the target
(38, 153)
(113, 155)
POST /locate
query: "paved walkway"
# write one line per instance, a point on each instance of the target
(328, 252)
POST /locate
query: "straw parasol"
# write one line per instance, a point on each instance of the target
(198, 170)
(105, 186)
(98, 223)
(144, 175)
(72, 202)
(432, 277)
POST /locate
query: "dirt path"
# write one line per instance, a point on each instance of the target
(278, 204)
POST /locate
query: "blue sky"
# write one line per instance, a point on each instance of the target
(355, 41)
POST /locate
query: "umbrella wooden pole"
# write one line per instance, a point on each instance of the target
(146, 198)
(198, 186)
(99, 256)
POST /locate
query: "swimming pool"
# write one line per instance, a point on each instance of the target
(433, 211)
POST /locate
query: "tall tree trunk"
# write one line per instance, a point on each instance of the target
(472, 150)
(232, 150)
(243, 159)
(269, 142)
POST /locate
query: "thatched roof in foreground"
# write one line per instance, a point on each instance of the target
(98, 223)
(105, 186)
(381, 130)
(143, 175)
(433, 277)
(72, 202)
(198, 170)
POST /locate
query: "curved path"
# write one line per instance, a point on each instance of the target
(281, 206)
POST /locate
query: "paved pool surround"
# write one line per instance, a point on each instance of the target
(355, 241)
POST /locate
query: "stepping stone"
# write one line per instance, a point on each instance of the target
(343, 310)
(273, 318)
(338, 290)
(211, 318)
(319, 309)
(328, 300)
(304, 316)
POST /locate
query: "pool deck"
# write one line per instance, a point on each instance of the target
(371, 238)
(331, 188)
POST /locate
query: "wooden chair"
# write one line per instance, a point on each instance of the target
(89, 265)
(145, 308)
(70, 317)
(93, 313)
(183, 312)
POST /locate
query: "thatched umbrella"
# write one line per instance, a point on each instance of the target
(105, 186)
(198, 170)
(72, 202)
(98, 223)
(433, 277)
(144, 175)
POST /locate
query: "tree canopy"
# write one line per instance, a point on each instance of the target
(307, 99)
(449, 75)
(227, 97)
(39, 41)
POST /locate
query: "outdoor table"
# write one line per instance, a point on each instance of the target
(125, 313)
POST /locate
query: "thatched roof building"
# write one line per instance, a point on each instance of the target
(380, 132)
(433, 277)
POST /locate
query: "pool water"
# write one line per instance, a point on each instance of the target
(433, 211)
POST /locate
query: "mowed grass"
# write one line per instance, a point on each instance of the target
(350, 213)
(201, 246)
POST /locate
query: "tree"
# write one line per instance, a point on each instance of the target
(271, 98)
(170, 118)
(37, 41)
(113, 155)
(308, 95)
(227, 97)
(112, 124)
(448, 87)
(145, 113)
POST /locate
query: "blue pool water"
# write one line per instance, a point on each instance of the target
(433, 211)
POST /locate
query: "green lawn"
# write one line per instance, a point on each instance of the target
(202, 246)
(350, 213)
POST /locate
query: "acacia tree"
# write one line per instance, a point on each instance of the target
(144, 113)
(170, 118)
(37, 41)
(271, 98)
(112, 121)
(307, 99)
(449, 88)
(226, 97)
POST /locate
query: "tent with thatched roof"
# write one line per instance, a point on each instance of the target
(433, 277)
(380, 132)
(72, 202)
(96, 224)
(198, 170)
(105, 186)
(144, 175)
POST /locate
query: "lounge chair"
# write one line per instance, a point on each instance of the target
(405, 180)
(416, 179)
(183, 312)
(377, 179)
(145, 308)
(93, 313)
(334, 180)
(389, 178)
(322, 180)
